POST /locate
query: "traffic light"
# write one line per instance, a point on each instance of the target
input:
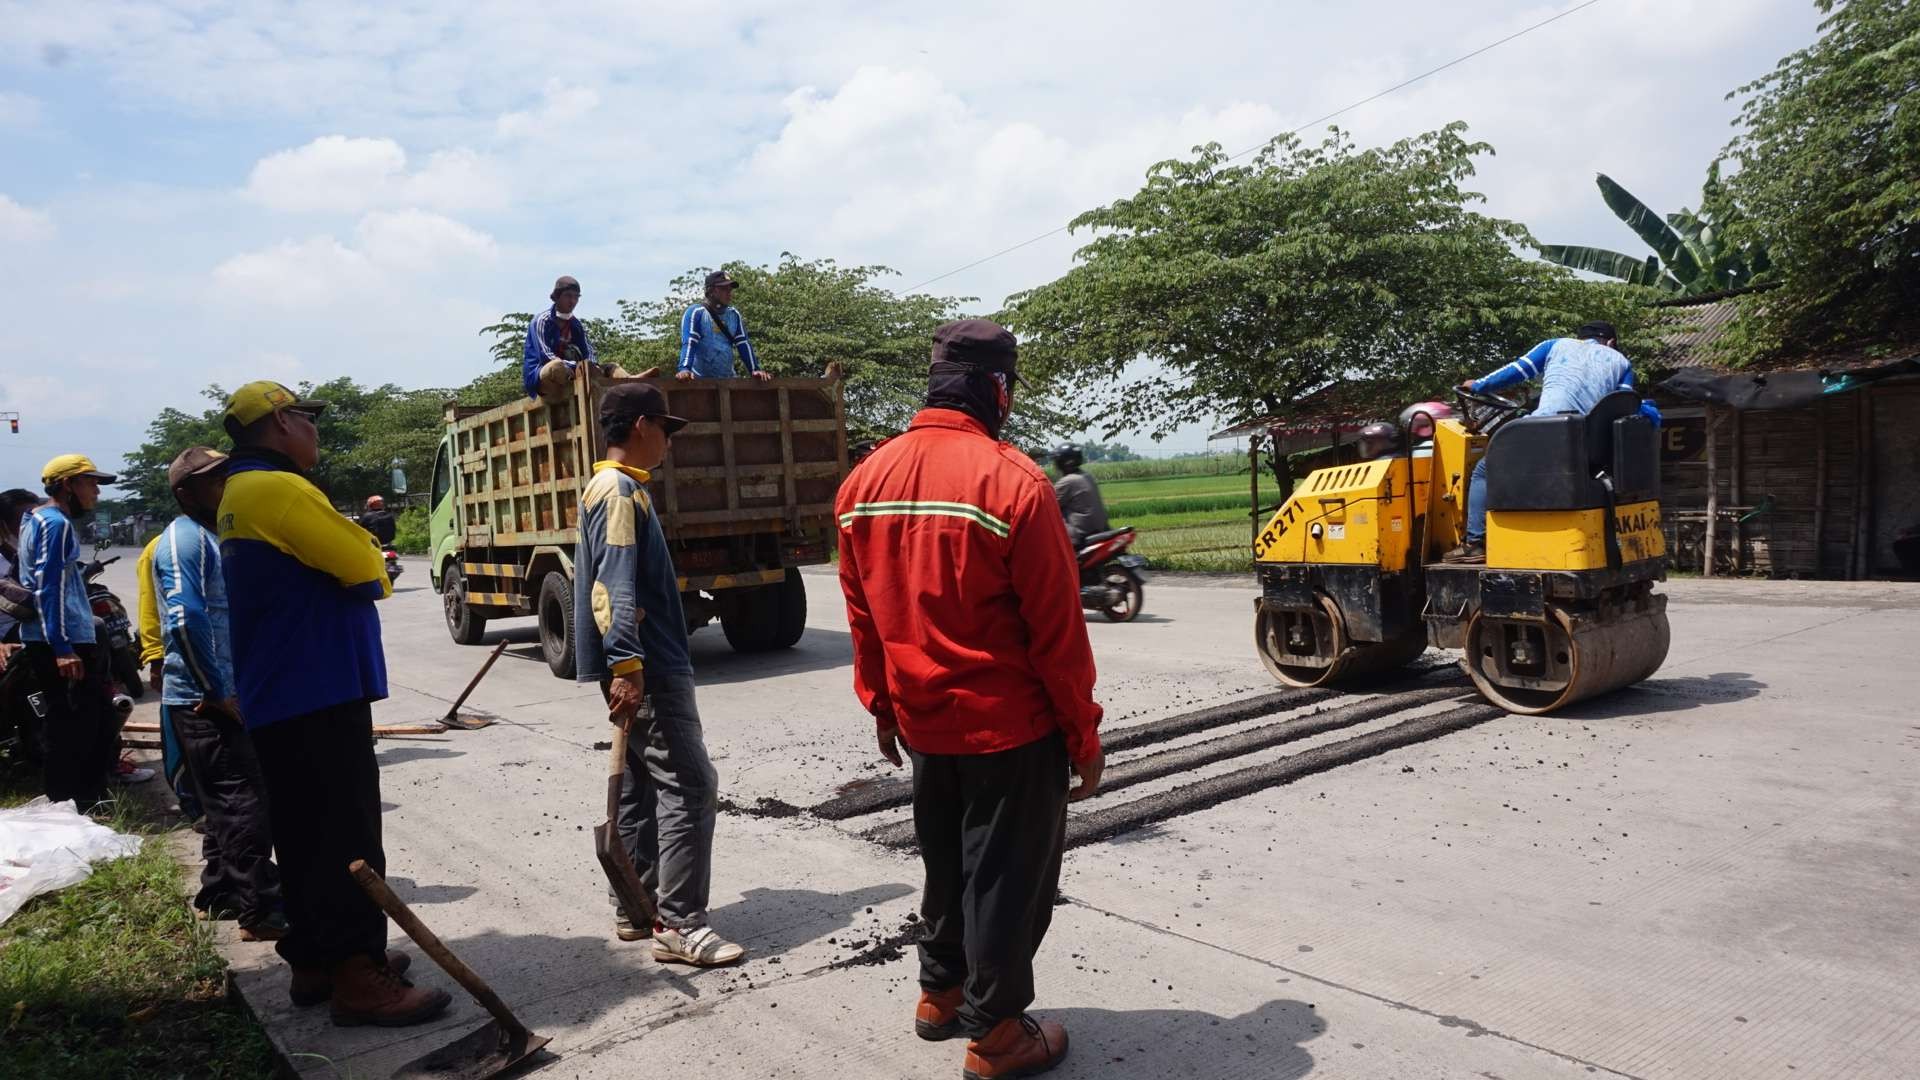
(14, 422)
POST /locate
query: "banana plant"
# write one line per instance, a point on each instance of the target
(1692, 254)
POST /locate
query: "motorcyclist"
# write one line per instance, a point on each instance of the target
(1378, 440)
(1079, 497)
(378, 520)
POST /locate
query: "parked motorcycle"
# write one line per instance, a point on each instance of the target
(113, 629)
(1112, 581)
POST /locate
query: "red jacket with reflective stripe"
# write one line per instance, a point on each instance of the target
(963, 596)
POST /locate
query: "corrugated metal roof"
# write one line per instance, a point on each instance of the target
(1687, 332)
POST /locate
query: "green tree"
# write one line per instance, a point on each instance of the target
(1246, 286)
(143, 483)
(1829, 176)
(1693, 253)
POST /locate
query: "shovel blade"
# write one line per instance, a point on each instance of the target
(634, 899)
(485, 1051)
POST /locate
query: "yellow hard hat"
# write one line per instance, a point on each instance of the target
(263, 398)
(68, 466)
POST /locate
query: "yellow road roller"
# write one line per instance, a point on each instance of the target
(1564, 608)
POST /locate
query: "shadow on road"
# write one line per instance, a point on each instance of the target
(1186, 1043)
(714, 661)
(772, 922)
(1656, 696)
(399, 755)
(1144, 617)
(429, 894)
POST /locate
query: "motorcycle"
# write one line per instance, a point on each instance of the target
(1112, 581)
(393, 562)
(113, 629)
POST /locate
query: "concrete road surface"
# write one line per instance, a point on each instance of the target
(1711, 875)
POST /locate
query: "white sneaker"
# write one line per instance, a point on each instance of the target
(701, 947)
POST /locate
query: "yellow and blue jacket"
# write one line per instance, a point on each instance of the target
(301, 585)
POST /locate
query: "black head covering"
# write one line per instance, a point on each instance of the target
(973, 371)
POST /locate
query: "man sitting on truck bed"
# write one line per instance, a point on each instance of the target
(557, 345)
(712, 331)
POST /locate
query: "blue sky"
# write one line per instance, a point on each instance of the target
(196, 192)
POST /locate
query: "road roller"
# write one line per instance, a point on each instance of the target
(1353, 586)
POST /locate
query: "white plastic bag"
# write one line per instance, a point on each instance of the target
(46, 846)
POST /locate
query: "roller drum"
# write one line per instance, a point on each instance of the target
(1598, 656)
(1338, 659)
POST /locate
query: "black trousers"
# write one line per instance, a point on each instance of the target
(77, 732)
(323, 800)
(992, 828)
(224, 776)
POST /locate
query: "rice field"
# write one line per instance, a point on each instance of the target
(1191, 513)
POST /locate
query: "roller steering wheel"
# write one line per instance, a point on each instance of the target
(1487, 413)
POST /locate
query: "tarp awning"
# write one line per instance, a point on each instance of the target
(1779, 389)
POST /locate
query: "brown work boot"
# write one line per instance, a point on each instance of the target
(368, 993)
(938, 1017)
(1020, 1046)
(1467, 554)
(314, 985)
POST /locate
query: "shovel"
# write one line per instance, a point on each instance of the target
(490, 1050)
(634, 899)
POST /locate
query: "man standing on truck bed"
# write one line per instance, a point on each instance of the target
(712, 331)
(630, 636)
(557, 345)
(969, 646)
(308, 665)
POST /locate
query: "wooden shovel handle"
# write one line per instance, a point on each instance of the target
(431, 944)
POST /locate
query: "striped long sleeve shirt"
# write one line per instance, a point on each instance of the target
(191, 595)
(50, 567)
(707, 350)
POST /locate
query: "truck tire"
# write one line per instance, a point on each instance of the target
(556, 623)
(767, 617)
(463, 623)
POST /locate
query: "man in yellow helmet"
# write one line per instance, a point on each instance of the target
(308, 664)
(72, 670)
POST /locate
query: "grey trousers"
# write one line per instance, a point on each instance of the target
(668, 802)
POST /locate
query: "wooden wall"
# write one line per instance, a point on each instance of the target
(1769, 467)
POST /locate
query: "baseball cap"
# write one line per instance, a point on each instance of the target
(562, 284)
(1598, 328)
(977, 343)
(720, 277)
(192, 462)
(632, 399)
(68, 466)
(263, 398)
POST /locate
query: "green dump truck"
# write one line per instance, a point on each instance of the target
(745, 499)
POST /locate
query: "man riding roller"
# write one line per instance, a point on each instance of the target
(1574, 373)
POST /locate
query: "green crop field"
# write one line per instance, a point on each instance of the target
(1191, 513)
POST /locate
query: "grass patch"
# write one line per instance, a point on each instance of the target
(115, 977)
(1202, 465)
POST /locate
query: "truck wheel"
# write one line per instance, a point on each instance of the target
(766, 617)
(556, 623)
(791, 622)
(466, 627)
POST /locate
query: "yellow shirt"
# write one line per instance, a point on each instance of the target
(151, 646)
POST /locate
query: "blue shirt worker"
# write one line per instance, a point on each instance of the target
(308, 665)
(712, 331)
(80, 729)
(1574, 374)
(198, 702)
(630, 636)
(557, 344)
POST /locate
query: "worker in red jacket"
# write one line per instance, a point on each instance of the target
(969, 647)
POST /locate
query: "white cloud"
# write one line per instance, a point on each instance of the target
(22, 224)
(322, 271)
(349, 174)
(19, 112)
(561, 104)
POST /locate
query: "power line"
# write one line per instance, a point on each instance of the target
(1461, 59)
